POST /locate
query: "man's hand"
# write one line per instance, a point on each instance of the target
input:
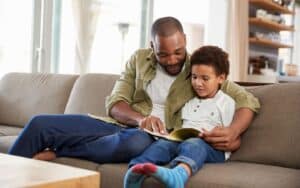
(153, 123)
(222, 138)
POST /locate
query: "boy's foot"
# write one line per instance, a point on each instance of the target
(45, 156)
(172, 178)
(134, 177)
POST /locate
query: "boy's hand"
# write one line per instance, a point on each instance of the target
(222, 138)
(153, 124)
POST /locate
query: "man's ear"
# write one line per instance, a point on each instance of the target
(151, 45)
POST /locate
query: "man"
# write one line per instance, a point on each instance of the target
(149, 94)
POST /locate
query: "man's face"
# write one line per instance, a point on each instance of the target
(170, 52)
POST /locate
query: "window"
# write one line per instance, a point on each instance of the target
(194, 20)
(44, 35)
(115, 37)
(199, 22)
(296, 50)
(118, 31)
(16, 18)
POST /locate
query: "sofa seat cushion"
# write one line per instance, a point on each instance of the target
(273, 137)
(6, 130)
(77, 163)
(112, 175)
(230, 174)
(6, 142)
(239, 174)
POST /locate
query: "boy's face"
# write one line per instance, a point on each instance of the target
(205, 81)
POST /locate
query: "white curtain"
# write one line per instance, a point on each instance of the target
(85, 14)
(237, 39)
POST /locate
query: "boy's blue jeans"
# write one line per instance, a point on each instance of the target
(80, 136)
(194, 152)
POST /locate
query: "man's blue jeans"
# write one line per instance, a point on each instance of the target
(193, 152)
(80, 136)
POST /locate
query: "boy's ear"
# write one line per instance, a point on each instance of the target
(222, 78)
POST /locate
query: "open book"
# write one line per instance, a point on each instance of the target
(177, 135)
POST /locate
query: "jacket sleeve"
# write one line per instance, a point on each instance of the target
(124, 87)
(243, 98)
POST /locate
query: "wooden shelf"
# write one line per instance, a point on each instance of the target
(258, 78)
(265, 46)
(270, 25)
(271, 6)
(268, 43)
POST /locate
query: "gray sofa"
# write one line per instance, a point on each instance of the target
(269, 155)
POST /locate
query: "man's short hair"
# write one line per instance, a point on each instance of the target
(166, 26)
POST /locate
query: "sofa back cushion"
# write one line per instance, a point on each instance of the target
(23, 95)
(89, 93)
(274, 135)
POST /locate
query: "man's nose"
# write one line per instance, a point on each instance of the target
(172, 60)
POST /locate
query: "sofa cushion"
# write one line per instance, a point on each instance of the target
(227, 175)
(6, 142)
(274, 135)
(23, 95)
(89, 93)
(235, 174)
(7, 130)
(80, 163)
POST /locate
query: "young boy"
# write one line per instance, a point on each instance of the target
(210, 109)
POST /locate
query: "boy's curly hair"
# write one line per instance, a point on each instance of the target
(212, 56)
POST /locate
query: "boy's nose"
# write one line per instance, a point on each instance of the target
(199, 82)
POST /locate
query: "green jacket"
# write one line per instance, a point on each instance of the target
(141, 69)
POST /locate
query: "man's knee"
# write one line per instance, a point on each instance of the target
(138, 141)
(37, 121)
(143, 137)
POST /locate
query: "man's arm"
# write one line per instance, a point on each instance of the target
(228, 138)
(118, 103)
(242, 98)
(122, 112)
(124, 87)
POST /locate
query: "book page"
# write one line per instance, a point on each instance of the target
(177, 135)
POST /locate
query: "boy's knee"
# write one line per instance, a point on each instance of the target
(194, 143)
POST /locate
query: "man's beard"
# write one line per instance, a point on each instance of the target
(173, 70)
